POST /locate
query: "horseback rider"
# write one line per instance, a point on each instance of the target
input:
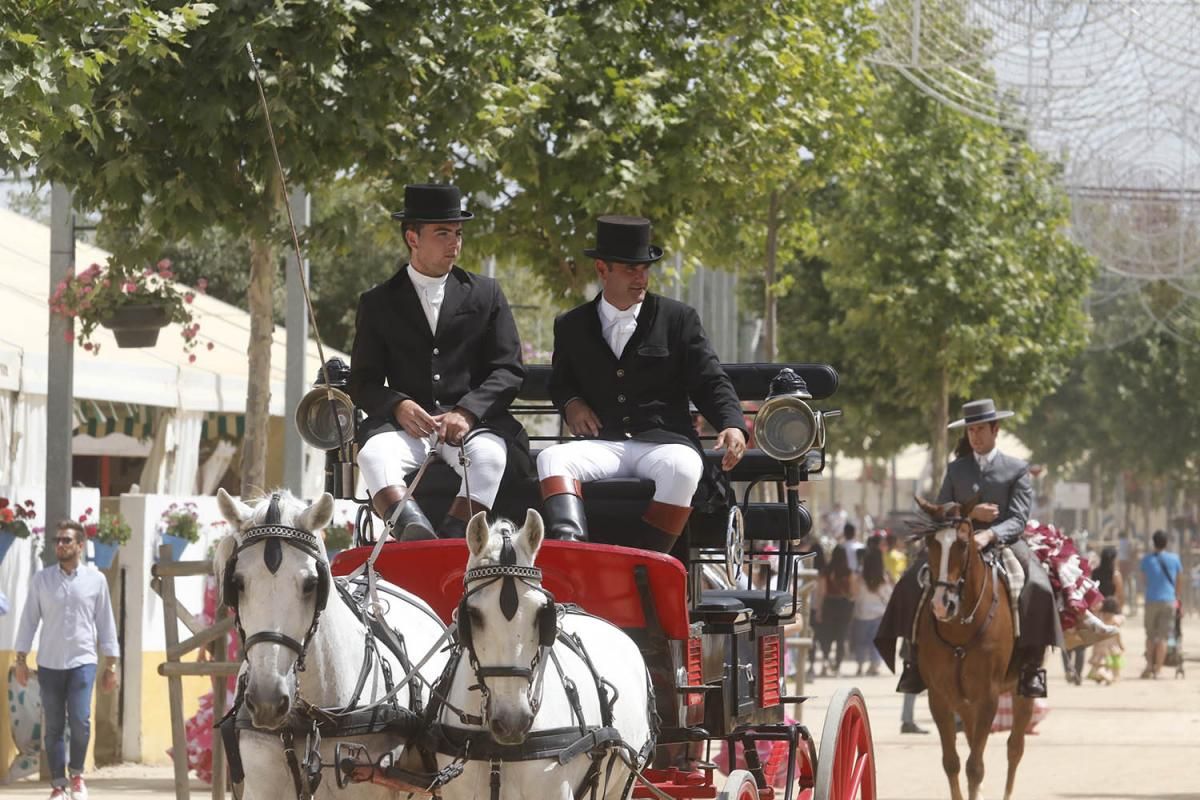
(1000, 487)
(435, 351)
(624, 367)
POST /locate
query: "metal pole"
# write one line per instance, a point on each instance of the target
(60, 372)
(296, 381)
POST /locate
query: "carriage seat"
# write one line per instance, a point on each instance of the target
(773, 604)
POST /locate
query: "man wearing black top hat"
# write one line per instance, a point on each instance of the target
(436, 363)
(624, 367)
(1002, 492)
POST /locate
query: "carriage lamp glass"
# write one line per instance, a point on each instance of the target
(315, 414)
(315, 419)
(786, 427)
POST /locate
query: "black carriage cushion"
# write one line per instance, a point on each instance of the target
(775, 604)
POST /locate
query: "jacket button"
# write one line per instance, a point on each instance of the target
(620, 398)
(625, 419)
(628, 435)
(620, 373)
(437, 377)
(436, 351)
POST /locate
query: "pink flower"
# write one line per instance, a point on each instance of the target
(129, 287)
(189, 297)
(163, 264)
(147, 271)
(210, 345)
(87, 346)
(202, 285)
(192, 358)
(69, 336)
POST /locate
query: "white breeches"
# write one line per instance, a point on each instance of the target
(674, 468)
(387, 457)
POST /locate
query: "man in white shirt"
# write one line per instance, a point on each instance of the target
(436, 364)
(70, 602)
(625, 366)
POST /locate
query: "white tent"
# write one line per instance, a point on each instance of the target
(160, 376)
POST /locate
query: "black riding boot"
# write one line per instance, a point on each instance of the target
(1032, 680)
(410, 521)
(910, 676)
(453, 528)
(564, 517)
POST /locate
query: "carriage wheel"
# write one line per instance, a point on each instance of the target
(739, 785)
(846, 760)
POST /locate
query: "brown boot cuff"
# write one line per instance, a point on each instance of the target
(464, 508)
(667, 518)
(387, 497)
(561, 484)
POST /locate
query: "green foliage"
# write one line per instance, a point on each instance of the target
(96, 294)
(14, 517)
(944, 258)
(181, 520)
(113, 529)
(339, 537)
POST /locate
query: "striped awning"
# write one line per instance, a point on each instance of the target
(223, 426)
(101, 417)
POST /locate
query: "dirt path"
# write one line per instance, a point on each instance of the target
(1136, 740)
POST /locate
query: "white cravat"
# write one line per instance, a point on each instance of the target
(986, 458)
(431, 292)
(617, 325)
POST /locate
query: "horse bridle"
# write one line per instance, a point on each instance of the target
(958, 586)
(275, 535)
(509, 572)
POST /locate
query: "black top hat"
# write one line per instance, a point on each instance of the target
(978, 411)
(432, 202)
(625, 240)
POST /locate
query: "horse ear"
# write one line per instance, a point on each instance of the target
(316, 516)
(534, 531)
(929, 508)
(221, 555)
(478, 533)
(233, 510)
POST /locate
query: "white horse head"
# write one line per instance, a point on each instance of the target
(505, 621)
(277, 586)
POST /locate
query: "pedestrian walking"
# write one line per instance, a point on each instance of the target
(1160, 578)
(69, 601)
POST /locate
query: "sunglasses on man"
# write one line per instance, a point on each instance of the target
(65, 540)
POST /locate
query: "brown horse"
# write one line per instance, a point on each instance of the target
(965, 644)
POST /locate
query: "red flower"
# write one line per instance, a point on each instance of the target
(189, 297)
(91, 530)
(210, 345)
(3, 502)
(6, 515)
(192, 358)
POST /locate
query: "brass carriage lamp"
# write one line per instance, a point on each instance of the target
(325, 419)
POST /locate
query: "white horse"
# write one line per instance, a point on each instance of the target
(275, 577)
(505, 610)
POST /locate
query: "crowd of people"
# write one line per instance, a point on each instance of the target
(856, 577)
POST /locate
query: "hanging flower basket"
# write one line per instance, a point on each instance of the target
(134, 303)
(137, 325)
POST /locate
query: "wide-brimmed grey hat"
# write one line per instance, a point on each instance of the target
(978, 411)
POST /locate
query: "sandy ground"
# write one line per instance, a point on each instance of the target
(1135, 740)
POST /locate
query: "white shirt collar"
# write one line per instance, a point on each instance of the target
(609, 313)
(987, 458)
(422, 281)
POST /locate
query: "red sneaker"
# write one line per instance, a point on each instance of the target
(78, 788)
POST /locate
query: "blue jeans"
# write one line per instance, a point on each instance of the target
(67, 696)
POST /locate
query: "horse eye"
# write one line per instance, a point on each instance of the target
(476, 617)
(239, 584)
(310, 584)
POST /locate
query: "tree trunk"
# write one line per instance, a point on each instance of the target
(770, 336)
(258, 391)
(939, 419)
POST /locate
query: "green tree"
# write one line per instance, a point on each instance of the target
(164, 133)
(950, 265)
